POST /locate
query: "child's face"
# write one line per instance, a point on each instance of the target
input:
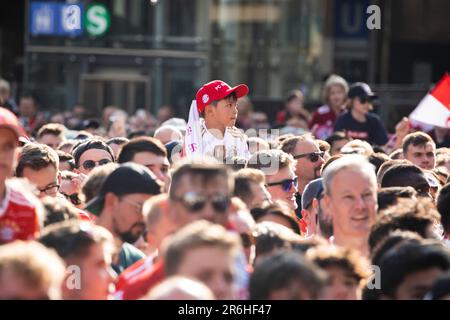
(8, 153)
(226, 112)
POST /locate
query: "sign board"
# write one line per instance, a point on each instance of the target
(97, 20)
(62, 19)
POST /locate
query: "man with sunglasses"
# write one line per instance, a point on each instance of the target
(90, 154)
(279, 169)
(200, 191)
(39, 164)
(118, 208)
(358, 122)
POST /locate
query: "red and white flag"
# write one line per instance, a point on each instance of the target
(434, 109)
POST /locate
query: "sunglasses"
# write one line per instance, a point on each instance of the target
(90, 164)
(194, 202)
(286, 184)
(313, 156)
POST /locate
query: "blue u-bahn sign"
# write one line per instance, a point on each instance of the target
(56, 19)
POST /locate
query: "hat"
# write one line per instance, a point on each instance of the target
(9, 120)
(361, 90)
(217, 90)
(128, 178)
(312, 190)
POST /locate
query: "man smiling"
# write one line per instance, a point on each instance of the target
(352, 205)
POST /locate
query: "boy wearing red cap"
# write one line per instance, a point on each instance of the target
(210, 130)
(19, 211)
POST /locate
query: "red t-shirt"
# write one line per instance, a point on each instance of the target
(19, 217)
(322, 122)
(138, 279)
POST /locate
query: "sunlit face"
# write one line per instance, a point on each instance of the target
(307, 170)
(97, 276)
(96, 155)
(225, 112)
(47, 180)
(216, 186)
(423, 156)
(277, 191)
(353, 205)
(336, 96)
(213, 266)
(128, 215)
(159, 165)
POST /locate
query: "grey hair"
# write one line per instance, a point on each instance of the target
(356, 163)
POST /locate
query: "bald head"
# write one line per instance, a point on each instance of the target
(168, 133)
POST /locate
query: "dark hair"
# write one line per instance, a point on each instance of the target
(393, 241)
(71, 239)
(141, 144)
(57, 210)
(36, 156)
(337, 136)
(389, 196)
(279, 209)
(443, 206)
(90, 144)
(440, 288)
(410, 258)
(377, 159)
(55, 129)
(387, 165)
(117, 140)
(418, 138)
(408, 215)
(270, 236)
(282, 269)
(398, 172)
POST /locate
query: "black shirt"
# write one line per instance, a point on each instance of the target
(372, 130)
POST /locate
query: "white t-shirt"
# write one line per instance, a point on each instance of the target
(234, 143)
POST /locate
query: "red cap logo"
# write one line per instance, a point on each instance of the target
(217, 90)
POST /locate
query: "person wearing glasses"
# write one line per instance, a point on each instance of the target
(199, 191)
(90, 154)
(358, 122)
(118, 208)
(279, 169)
(39, 164)
(309, 158)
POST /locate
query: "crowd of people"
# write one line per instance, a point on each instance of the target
(134, 207)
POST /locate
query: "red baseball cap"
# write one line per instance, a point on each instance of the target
(217, 90)
(9, 120)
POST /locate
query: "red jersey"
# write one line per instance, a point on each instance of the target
(19, 217)
(322, 122)
(138, 279)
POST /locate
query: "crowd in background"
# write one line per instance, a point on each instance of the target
(333, 207)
